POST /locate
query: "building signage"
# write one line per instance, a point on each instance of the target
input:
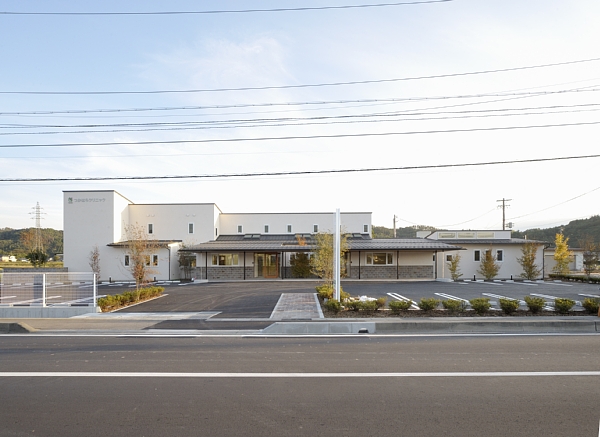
(72, 200)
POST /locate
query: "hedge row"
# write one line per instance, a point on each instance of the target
(577, 278)
(480, 305)
(113, 302)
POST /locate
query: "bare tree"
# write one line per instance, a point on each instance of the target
(140, 250)
(94, 261)
(591, 255)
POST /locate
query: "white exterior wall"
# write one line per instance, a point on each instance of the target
(509, 267)
(302, 223)
(93, 218)
(170, 221)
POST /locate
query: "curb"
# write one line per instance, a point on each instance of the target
(16, 328)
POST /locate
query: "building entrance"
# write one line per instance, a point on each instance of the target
(266, 265)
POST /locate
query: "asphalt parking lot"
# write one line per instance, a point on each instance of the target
(258, 299)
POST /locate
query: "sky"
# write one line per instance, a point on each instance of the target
(422, 111)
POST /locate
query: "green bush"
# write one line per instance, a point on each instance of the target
(333, 305)
(353, 305)
(453, 305)
(400, 305)
(428, 303)
(111, 302)
(591, 304)
(563, 306)
(325, 291)
(369, 305)
(508, 306)
(535, 304)
(381, 302)
(480, 305)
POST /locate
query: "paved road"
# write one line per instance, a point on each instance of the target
(285, 393)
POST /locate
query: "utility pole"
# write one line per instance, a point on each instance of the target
(503, 206)
(395, 217)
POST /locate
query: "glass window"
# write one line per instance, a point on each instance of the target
(155, 260)
(266, 229)
(190, 228)
(225, 259)
(379, 258)
(126, 260)
(499, 255)
(477, 255)
(366, 229)
(150, 228)
(315, 228)
(240, 229)
(289, 229)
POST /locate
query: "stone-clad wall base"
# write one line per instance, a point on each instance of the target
(392, 272)
(225, 272)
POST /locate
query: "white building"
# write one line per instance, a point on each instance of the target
(230, 246)
(505, 249)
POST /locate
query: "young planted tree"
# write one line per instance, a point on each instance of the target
(488, 267)
(94, 261)
(140, 250)
(454, 267)
(562, 255)
(322, 259)
(591, 255)
(300, 261)
(528, 261)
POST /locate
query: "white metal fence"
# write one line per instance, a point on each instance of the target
(48, 289)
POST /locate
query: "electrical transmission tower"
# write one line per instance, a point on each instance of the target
(37, 216)
(503, 206)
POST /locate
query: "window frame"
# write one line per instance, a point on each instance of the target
(500, 255)
(240, 229)
(316, 229)
(126, 260)
(190, 228)
(370, 256)
(150, 228)
(232, 256)
(477, 255)
(266, 229)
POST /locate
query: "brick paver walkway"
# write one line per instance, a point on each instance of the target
(297, 306)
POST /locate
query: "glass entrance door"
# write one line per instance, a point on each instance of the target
(266, 265)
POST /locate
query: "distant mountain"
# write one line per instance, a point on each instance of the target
(10, 242)
(576, 231)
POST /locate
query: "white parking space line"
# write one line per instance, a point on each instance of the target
(497, 296)
(405, 299)
(589, 295)
(559, 284)
(450, 297)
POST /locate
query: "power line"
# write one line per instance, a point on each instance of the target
(298, 122)
(554, 206)
(300, 137)
(404, 113)
(274, 104)
(323, 84)
(239, 11)
(297, 173)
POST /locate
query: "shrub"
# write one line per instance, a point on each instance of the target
(368, 305)
(591, 304)
(325, 291)
(333, 305)
(480, 305)
(509, 306)
(119, 300)
(381, 302)
(453, 305)
(535, 304)
(428, 303)
(400, 305)
(353, 305)
(563, 306)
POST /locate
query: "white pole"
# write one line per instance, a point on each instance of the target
(95, 288)
(43, 289)
(336, 255)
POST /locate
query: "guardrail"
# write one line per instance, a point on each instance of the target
(59, 289)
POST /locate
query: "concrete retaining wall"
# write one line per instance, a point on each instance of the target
(45, 312)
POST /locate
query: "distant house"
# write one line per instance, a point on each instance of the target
(505, 249)
(9, 258)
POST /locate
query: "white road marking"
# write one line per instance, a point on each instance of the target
(497, 296)
(292, 375)
(559, 284)
(589, 295)
(449, 296)
(405, 299)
